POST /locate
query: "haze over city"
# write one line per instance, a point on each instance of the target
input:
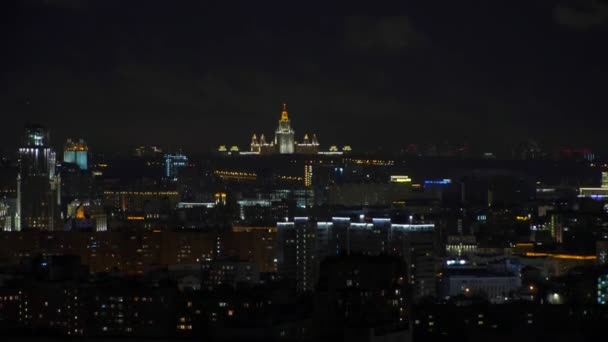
(129, 72)
(303, 171)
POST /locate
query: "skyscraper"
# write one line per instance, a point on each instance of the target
(296, 252)
(284, 135)
(283, 143)
(76, 153)
(37, 184)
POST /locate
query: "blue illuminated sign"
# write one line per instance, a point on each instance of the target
(439, 182)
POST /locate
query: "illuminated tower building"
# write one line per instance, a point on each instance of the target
(37, 184)
(284, 135)
(76, 153)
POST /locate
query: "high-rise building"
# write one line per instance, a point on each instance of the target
(303, 244)
(283, 143)
(173, 162)
(296, 253)
(76, 153)
(284, 135)
(37, 184)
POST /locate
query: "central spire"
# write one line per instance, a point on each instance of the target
(284, 115)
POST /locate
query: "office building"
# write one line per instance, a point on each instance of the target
(37, 185)
(495, 285)
(596, 193)
(76, 153)
(141, 200)
(174, 162)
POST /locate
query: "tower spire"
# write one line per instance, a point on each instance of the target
(284, 114)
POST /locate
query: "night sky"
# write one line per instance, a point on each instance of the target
(203, 73)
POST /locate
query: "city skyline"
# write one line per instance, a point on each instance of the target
(272, 170)
(489, 75)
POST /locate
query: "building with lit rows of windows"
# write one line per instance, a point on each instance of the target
(302, 244)
(284, 142)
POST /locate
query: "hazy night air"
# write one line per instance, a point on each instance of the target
(490, 74)
(275, 170)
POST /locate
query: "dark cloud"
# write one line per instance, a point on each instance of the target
(582, 15)
(393, 33)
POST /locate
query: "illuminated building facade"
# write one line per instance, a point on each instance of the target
(5, 218)
(255, 244)
(296, 252)
(284, 135)
(37, 185)
(120, 310)
(76, 153)
(132, 252)
(283, 143)
(174, 162)
(475, 281)
(308, 146)
(87, 215)
(57, 304)
(307, 175)
(231, 272)
(460, 245)
(146, 201)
